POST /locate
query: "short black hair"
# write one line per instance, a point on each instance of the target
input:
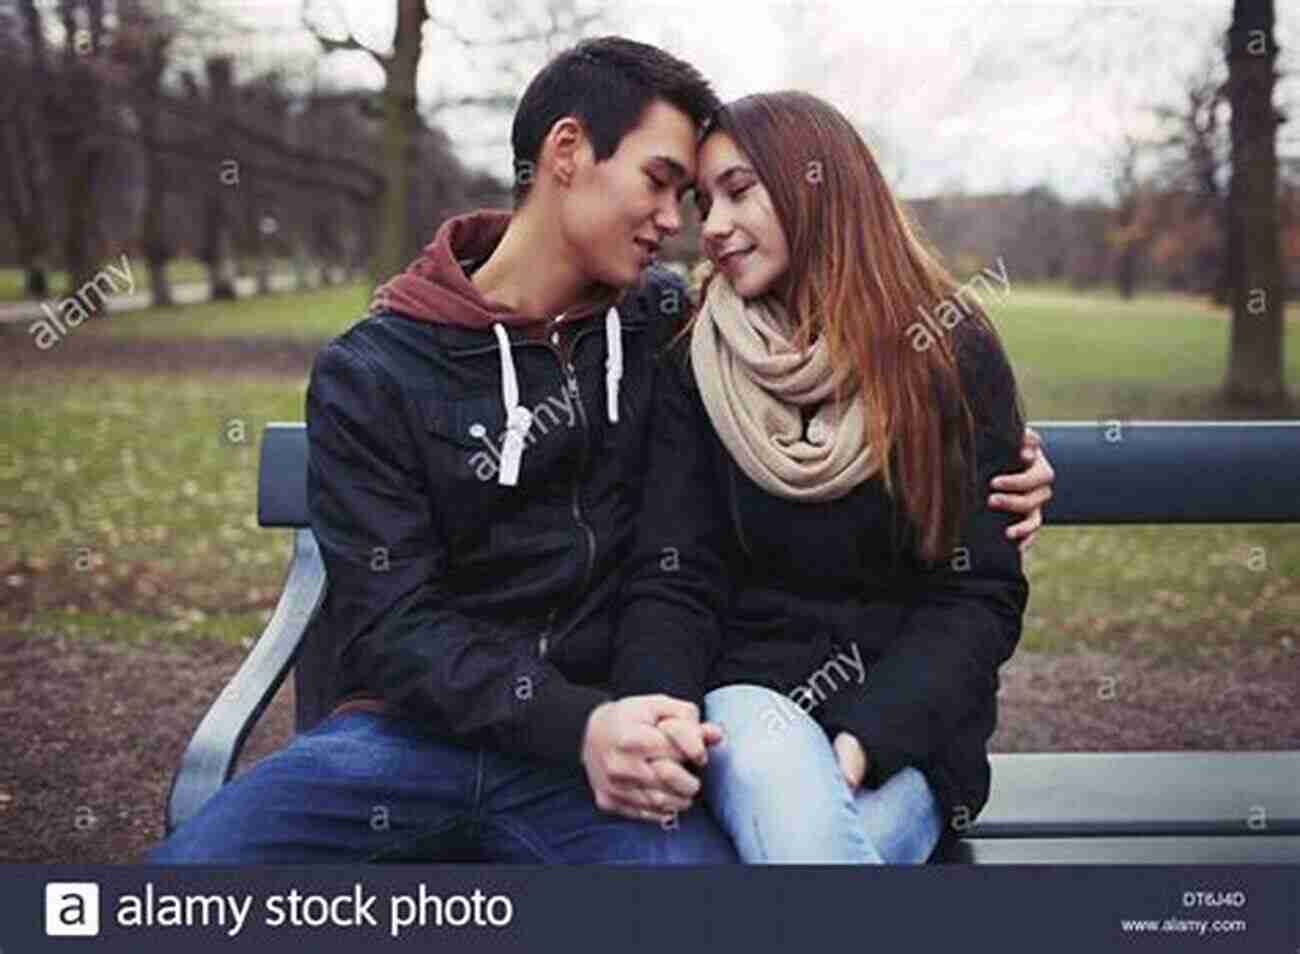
(606, 82)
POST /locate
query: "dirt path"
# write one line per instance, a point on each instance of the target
(92, 731)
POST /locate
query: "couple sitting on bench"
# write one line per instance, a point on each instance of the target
(615, 578)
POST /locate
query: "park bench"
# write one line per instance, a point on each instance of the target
(1074, 808)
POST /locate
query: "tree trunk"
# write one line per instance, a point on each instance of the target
(400, 122)
(154, 240)
(1254, 373)
(81, 161)
(78, 156)
(21, 193)
(1126, 271)
(34, 244)
(225, 180)
(301, 260)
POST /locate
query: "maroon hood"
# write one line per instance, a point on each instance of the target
(435, 287)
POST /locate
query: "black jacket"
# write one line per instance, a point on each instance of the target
(729, 584)
(483, 611)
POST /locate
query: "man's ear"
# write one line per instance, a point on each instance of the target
(562, 149)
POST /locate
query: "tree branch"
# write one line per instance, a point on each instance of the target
(331, 45)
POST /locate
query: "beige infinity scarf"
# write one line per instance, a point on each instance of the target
(754, 381)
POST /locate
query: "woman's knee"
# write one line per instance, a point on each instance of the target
(761, 744)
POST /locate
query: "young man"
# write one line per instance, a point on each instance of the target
(476, 446)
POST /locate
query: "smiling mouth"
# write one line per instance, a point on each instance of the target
(650, 248)
(734, 255)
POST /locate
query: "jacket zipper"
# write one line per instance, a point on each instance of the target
(544, 640)
(577, 479)
(571, 385)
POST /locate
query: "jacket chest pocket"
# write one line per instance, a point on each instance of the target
(468, 440)
(466, 437)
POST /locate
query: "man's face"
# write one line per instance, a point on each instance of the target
(616, 213)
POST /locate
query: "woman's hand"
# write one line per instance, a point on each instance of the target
(852, 759)
(1032, 488)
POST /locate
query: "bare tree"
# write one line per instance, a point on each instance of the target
(143, 43)
(75, 127)
(1198, 162)
(216, 251)
(400, 118)
(23, 169)
(560, 21)
(1255, 365)
(1128, 236)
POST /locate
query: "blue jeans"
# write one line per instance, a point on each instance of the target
(365, 787)
(775, 786)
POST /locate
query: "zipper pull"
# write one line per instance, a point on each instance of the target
(543, 641)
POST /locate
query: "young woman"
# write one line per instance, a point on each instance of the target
(816, 560)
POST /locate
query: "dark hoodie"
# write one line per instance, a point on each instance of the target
(472, 582)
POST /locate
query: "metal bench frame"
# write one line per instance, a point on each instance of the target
(1073, 807)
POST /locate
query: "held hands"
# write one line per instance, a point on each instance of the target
(1032, 488)
(852, 759)
(634, 751)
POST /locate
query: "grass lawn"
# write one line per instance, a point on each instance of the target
(1097, 357)
(1077, 357)
(126, 511)
(314, 315)
(179, 270)
(130, 508)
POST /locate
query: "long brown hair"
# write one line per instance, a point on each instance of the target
(860, 276)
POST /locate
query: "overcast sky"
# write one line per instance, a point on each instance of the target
(983, 96)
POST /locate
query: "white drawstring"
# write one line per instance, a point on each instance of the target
(613, 361)
(518, 418)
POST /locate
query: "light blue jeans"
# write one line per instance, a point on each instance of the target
(776, 788)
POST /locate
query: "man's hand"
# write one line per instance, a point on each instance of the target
(853, 760)
(633, 762)
(691, 738)
(1032, 488)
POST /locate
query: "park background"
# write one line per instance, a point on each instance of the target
(257, 166)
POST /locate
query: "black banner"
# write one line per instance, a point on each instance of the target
(1063, 909)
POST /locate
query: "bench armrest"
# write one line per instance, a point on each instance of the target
(210, 757)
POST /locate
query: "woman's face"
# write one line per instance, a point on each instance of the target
(740, 231)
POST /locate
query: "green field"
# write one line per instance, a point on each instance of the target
(313, 315)
(127, 511)
(180, 270)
